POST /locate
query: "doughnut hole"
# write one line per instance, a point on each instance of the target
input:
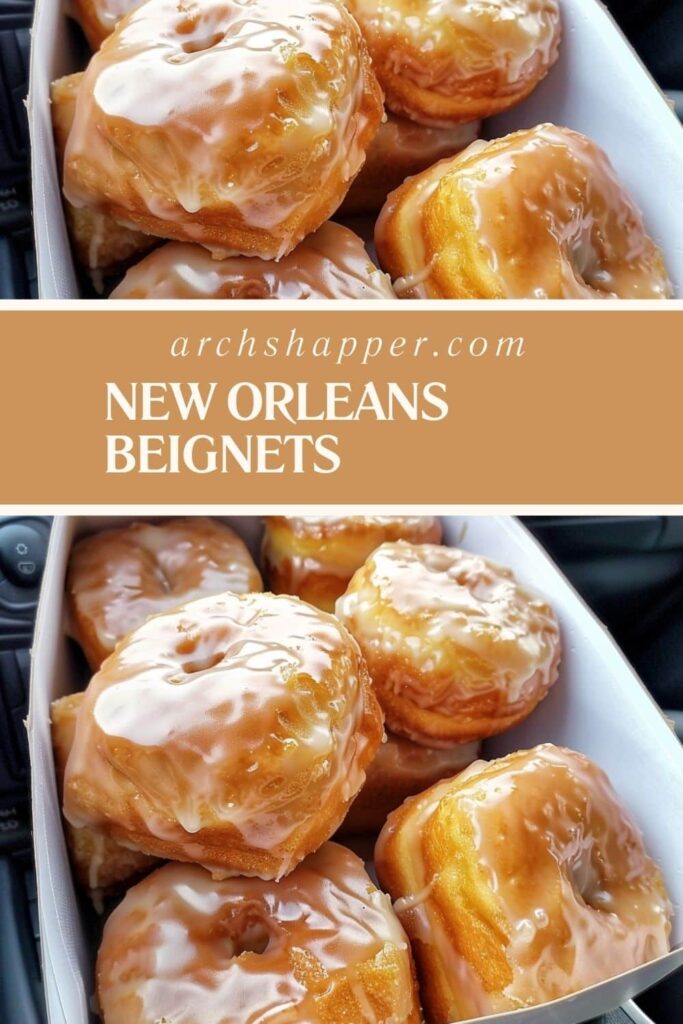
(204, 36)
(204, 662)
(203, 43)
(247, 930)
(321, 945)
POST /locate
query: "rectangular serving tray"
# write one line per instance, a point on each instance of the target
(598, 706)
(598, 87)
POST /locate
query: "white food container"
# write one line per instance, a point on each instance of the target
(598, 86)
(598, 706)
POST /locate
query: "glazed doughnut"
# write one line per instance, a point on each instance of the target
(314, 557)
(539, 214)
(453, 61)
(233, 732)
(401, 769)
(100, 864)
(519, 882)
(117, 578)
(99, 18)
(238, 124)
(100, 245)
(330, 264)
(322, 946)
(456, 648)
(399, 149)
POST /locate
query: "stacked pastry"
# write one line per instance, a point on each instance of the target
(234, 130)
(231, 732)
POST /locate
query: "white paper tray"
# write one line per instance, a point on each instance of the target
(598, 706)
(598, 87)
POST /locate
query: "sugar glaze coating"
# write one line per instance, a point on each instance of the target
(520, 881)
(457, 649)
(232, 732)
(237, 124)
(322, 945)
(118, 577)
(539, 214)
(452, 61)
(332, 263)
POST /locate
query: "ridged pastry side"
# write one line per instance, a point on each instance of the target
(521, 881)
(100, 244)
(539, 214)
(99, 862)
(447, 62)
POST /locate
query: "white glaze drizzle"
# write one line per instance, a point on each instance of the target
(330, 264)
(194, 951)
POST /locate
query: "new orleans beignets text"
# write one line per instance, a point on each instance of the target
(276, 402)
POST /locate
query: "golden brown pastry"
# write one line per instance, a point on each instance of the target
(401, 769)
(238, 124)
(401, 148)
(233, 732)
(322, 946)
(314, 557)
(99, 18)
(100, 863)
(519, 882)
(332, 263)
(118, 577)
(457, 649)
(101, 245)
(539, 214)
(452, 61)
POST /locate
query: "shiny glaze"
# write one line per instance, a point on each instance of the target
(236, 717)
(460, 624)
(446, 46)
(117, 578)
(110, 12)
(550, 217)
(189, 950)
(316, 556)
(330, 264)
(99, 18)
(195, 111)
(561, 877)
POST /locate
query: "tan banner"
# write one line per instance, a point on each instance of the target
(345, 406)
